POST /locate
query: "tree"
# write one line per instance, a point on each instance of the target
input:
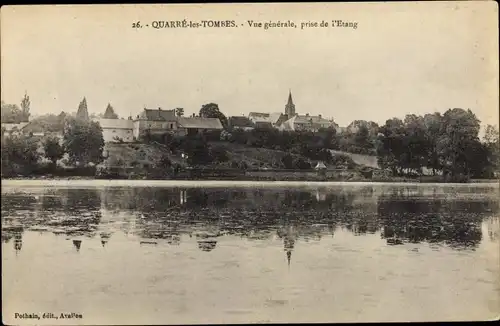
(110, 113)
(53, 150)
(491, 135)
(179, 112)
(415, 141)
(50, 122)
(362, 137)
(19, 154)
(197, 151)
(219, 154)
(82, 113)
(288, 161)
(25, 107)
(391, 148)
(302, 164)
(329, 137)
(83, 141)
(432, 123)
(211, 110)
(11, 113)
(492, 143)
(459, 129)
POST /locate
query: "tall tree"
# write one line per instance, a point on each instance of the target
(362, 137)
(391, 147)
(211, 110)
(82, 113)
(179, 112)
(83, 141)
(110, 113)
(460, 128)
(25, 107)
(416, 143)
(433, 130)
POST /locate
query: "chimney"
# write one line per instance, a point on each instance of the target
(319, 116)
(307, 114)
(159, 109)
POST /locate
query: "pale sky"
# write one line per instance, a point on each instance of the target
(403, 58)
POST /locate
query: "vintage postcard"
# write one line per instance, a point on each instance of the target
(250, 163)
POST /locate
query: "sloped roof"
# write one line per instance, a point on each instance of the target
(33, 127)
(116, 124)
(199, 123)
(261, 119)
(158, 115)
(288, 124)
(240, 122)
(258, 114)
(274, 117)
(316, 119)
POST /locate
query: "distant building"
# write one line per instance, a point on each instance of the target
(34, 128)
(154, 121)
(266, 120)
(195, 125)
(290, 120)
(290, 107)
(243, 123)
(13, 128)
(116, 130)
(306, 123)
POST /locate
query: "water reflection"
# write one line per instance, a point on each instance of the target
(154, 215)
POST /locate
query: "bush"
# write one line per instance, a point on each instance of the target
(300, 163)
(287, 161)
(219, 154)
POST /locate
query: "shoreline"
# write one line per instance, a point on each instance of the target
(75, 182)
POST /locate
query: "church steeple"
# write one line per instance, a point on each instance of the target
(290, 107)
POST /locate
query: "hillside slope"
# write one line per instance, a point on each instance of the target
(360, 159)
(134, 154)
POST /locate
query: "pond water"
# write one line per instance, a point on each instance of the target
(204, 252)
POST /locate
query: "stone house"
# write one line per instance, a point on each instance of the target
(196, 125)
(306, 123)
(154, 121)
(266, 120)
(116, 130)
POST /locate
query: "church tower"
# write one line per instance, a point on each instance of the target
(290, 107)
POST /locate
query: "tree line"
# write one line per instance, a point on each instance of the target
(446, 144)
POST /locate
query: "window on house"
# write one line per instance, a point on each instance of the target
(171, 126)
(114, 131)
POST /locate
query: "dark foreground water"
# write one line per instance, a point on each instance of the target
(204, 253)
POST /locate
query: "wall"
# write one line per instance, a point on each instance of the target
(110, 133)
(155, 127)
